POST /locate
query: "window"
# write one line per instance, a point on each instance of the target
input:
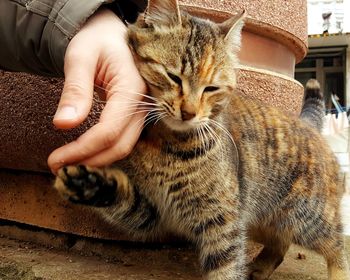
(327, 65)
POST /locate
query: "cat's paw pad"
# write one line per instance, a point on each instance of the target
(84, 185)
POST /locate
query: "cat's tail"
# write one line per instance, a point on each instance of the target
(313, 109)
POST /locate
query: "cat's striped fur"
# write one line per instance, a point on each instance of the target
(273, 179)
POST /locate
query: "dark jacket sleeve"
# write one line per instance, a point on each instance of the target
(34, 34)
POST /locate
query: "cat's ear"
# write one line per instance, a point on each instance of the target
(162, 12)
(232, 29)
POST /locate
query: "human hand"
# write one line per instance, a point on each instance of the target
(99, 55)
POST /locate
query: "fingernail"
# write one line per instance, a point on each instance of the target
(66, 113)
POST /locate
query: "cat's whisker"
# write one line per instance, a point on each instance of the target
(129, 103)
(216, 138)
(135, 101)
(167, 106)
(126, 101)
(149, 117)
(140, 107)
(137, 108)
(161, 116)
(200, 138)
(197, 135)
(153, 115)
(221, 143)
(206, 137)
(219, 139)
(147, 96)
(224, 130)
(155, 118)
(141, 122)
(124, 91)
(211, 136)
(131, 114)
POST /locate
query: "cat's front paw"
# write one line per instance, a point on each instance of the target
(84, 185)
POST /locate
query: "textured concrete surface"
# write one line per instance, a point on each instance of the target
(284, 93)
(27, 135)
(118, 261)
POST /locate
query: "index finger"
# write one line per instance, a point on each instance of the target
(117, 115)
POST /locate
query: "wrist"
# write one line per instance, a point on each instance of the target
(100, 32)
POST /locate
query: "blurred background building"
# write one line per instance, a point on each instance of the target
(328, 58)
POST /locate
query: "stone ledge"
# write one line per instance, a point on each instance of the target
(271, 88)
(28, 197)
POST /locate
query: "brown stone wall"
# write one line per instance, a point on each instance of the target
(274, 39)
(27, 107)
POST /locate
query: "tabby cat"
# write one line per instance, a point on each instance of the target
(272, 179)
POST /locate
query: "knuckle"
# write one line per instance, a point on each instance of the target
(125, 150)
(82, 152)
(74, 93)
(72, 89)
(73, 54)
(110, 137)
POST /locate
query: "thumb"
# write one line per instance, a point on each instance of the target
(76, 98)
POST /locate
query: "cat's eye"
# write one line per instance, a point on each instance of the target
(175, 78)
(211, 89)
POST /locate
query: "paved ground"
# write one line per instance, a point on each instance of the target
(30, 262)
(91, 260)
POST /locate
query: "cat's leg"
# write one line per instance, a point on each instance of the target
(111, 193)
(222, 249)
(337, 263)
(275, 247)
(326, 238)
(332, 248)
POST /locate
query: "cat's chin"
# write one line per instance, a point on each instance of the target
(181, 126)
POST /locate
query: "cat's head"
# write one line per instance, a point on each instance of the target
(188, 63)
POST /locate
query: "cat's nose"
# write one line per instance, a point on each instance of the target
(186, 116)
